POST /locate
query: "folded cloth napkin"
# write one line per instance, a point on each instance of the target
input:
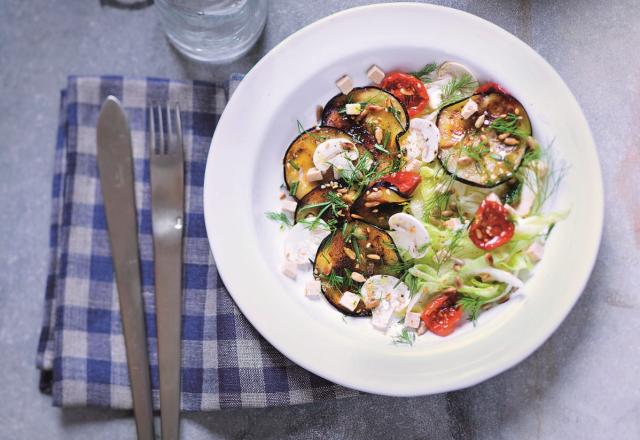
(225, 362)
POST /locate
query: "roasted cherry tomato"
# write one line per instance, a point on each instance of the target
(405, 181)
(491, 227)
(408, 89)
(490, 87)
(441, 315)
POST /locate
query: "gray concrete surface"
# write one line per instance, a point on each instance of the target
(583, 383)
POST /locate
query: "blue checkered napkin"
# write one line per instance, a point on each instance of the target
(225, 362)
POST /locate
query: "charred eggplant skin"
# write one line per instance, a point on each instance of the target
(379, 202)
(298, 158)
(459, 138)
(380, 109)
(333, 256)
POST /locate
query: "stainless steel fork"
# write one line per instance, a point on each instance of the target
(167, 215)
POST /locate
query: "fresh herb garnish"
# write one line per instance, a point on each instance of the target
(280, 217)
(317, 137)
(381, 148)
(334, 280)
(457, 89)
(405, 337)
(509, 124)
(333, 203)
(396, 114)
(294, 165)
(364, 172)
(472, 306)
(294, 188)
(476, 151)
(424, 73)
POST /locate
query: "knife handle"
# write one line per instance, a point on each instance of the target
(133, 322)
(168, 274)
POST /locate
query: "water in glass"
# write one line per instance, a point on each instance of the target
(213, 30)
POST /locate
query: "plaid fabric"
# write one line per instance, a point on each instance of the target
(225, 362)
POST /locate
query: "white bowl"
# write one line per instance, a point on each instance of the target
(244, 172)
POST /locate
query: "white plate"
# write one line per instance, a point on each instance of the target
(244, 171)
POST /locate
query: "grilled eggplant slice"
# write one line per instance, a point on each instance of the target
(318, 201)
(491, 153)
(357, 247)
(379, 202)
(380, 111)
(299, 158)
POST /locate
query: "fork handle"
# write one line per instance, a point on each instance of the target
(168, 277)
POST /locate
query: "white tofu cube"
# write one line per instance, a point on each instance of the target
(345, 84)
(289, 269)
(314, 175)
(312, 289)
(381, 316)
(349, 300)
(453, 224)
(469, 109)
(353, 109)
(412, 320)
(413, 165)
(289, 205)
(527, 197)
(375, 74)
(535, 251)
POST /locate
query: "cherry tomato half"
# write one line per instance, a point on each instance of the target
(441, 315)
(491, 227)
(408, 89)
(490, 87)
(405, 181)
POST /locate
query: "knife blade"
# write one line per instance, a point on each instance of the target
(115, 164)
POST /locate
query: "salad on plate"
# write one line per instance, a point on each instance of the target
(416, 201)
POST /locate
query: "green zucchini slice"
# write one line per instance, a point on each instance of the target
(317, 202)
(491, 153)
(379, 202)
(299, 159)
(379, 110)
(356, 247)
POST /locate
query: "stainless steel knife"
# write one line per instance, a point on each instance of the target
(115, 163)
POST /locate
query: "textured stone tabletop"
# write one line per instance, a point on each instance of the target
(584, 382)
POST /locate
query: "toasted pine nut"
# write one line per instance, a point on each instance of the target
(357, 277)
(373, 256)
(479, 121)
(378, 134)
(511, 141)
(349, 252)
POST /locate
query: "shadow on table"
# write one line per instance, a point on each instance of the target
(363, 417)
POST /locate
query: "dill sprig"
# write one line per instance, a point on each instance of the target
(333, 203)
(509, 124)
(364, 172)
(542, 182)
(424, 73)
(316, 136)
(457, 89)
(280, 217)
(333, 279)
(294, 165)
(396, 114)
(405, 337)
(294, 188)
(476, 151)
(439, 199)
(472, 306)
(446, 253)
(315, 222)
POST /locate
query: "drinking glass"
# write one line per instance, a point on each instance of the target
(213, 30)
